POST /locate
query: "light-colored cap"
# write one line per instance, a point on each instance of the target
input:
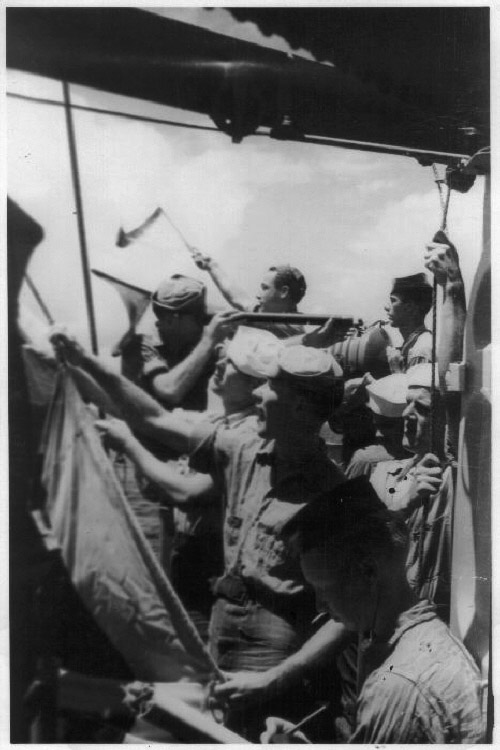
(420, 376)
(315, 368)
(387, 396)
(255, 352)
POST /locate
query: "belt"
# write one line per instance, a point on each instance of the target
(238, 590)
(233, 588)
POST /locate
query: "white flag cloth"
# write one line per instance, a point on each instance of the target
(108, 558)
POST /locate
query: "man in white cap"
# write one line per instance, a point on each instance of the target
(262, 624)
(387, 402)
(422, 488)
(195, 555)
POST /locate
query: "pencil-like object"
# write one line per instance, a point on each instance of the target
(308, 718)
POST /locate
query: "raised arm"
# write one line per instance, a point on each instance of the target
(441, 258)
(139, 409)
(182, 490)
(236, 297)
(171, 387)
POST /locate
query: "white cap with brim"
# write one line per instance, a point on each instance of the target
(255, 352)
(420, 376)
(314, 367)
(387, 396)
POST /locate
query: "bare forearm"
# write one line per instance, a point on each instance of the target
(453, 317)
(322, 647)
(132, 402)
(182, 490)
(236, 297)
(171, 387)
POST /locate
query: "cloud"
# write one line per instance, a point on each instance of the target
(350, 220)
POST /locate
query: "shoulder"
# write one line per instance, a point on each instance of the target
(430, 687)
(364, 460)
(242, 438)
(388, 710)
(421, 348)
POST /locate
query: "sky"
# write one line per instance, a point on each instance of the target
(349, 220)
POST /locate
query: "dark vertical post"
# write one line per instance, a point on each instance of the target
(79, 215)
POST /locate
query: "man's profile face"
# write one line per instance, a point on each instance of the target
(269, 298)
(417, 420)
(274, 406)
(398, 311)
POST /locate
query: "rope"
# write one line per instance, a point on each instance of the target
(37, 296)
(445, 204)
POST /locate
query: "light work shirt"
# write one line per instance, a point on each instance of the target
(261, 493)
(425, 688)
(429, 521)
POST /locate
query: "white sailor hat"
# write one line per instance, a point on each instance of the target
(420, 376)
(313, 368)
(255, 352)
(387, 396)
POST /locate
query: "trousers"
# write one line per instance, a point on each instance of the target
(249, 637)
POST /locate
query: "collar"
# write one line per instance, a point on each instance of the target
(230, 419)
(409, 340)
(422, 611)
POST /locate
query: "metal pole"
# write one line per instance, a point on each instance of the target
(79, 216)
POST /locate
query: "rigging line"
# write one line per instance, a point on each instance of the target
(438, 182)
(75, 176)
(36, 294)
(444, 156)
(116, 113)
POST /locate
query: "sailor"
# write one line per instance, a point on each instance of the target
(409, 302)
(387, 402)
(417, 683)
(422, 487)
(177, 370)
(280, 290)
(261, 630)
(194, 498)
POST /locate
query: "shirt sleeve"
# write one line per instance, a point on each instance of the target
(391, 709)
(153, 363)
(421, 351)
(202, 449)
(359, 467)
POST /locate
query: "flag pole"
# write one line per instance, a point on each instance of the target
(75, 176)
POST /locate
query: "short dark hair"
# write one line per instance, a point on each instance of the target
(293, 279)
(420, 296)
(353, 520)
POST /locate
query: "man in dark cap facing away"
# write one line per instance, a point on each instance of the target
(177, 371)
(409, 302)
